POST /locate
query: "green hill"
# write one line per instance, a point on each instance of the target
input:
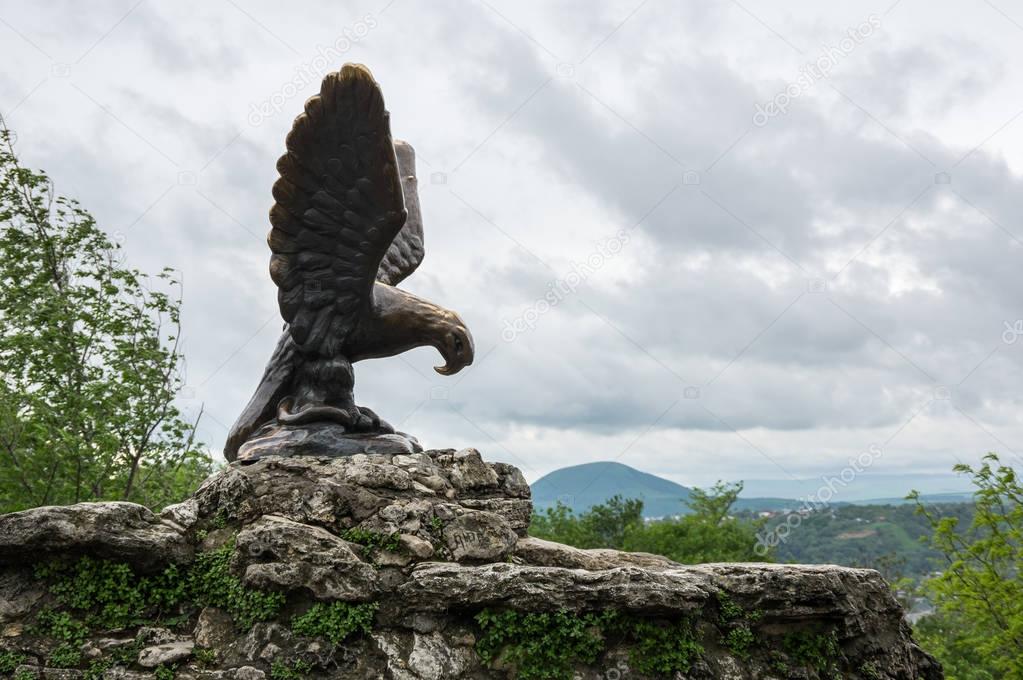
(885, 537)
(580, 487)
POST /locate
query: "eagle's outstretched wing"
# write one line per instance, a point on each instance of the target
(339, 205)
(406, 252)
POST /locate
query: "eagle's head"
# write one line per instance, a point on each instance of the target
(401, 321)
(454, 342)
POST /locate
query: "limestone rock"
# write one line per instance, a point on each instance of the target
(247, 673)
(19, 593)
(47, 673)
(429, 656)
(183, 515)
(470, 472)
(155, 635)
(431, 538)
(281, 554)
(434, 586)
(260, 644)
(121, 531)
(541, 553)
(513, 483)
(479, 535)
(416, 546)
(517, 512)
(118, 673)
(433, 657)
(215, 628)
(379, 476)
(165, 654)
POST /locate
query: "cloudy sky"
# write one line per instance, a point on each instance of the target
(709, 240)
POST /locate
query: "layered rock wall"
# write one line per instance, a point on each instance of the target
(409, 567)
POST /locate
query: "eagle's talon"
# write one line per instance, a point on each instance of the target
(378, 423)
(366, 420)
(360, 421)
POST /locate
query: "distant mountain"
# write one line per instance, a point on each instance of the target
(926, 498)
(866, 488)
(580, 487)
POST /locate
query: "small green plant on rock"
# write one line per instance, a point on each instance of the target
(164, 673)
(219, 520)
(211, 583)
(778, 662)
(66, 655)
(335, 621)
(548, 645)
(10, 660)
(820, 652)
(541, 646)
(205, 657)
(739, 625)
(97, 669)
(59, 626)
(869, 671)
(99, 596)
(659, 648)
(729, 609)
(371, 541)
(296, 670)
(739, 640)
(110, 595)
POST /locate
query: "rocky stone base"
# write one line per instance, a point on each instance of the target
(409, 567)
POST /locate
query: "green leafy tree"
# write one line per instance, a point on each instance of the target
(602, 526)
(608, 524)
(949, 638)
(89, 360)
(708, 534)
(977, 631)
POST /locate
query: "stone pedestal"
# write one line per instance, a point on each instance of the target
(428, 541)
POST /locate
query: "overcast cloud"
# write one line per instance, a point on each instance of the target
(654, 272)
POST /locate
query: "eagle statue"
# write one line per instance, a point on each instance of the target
(346, 230)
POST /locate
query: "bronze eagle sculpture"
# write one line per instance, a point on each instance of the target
(346, 230)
